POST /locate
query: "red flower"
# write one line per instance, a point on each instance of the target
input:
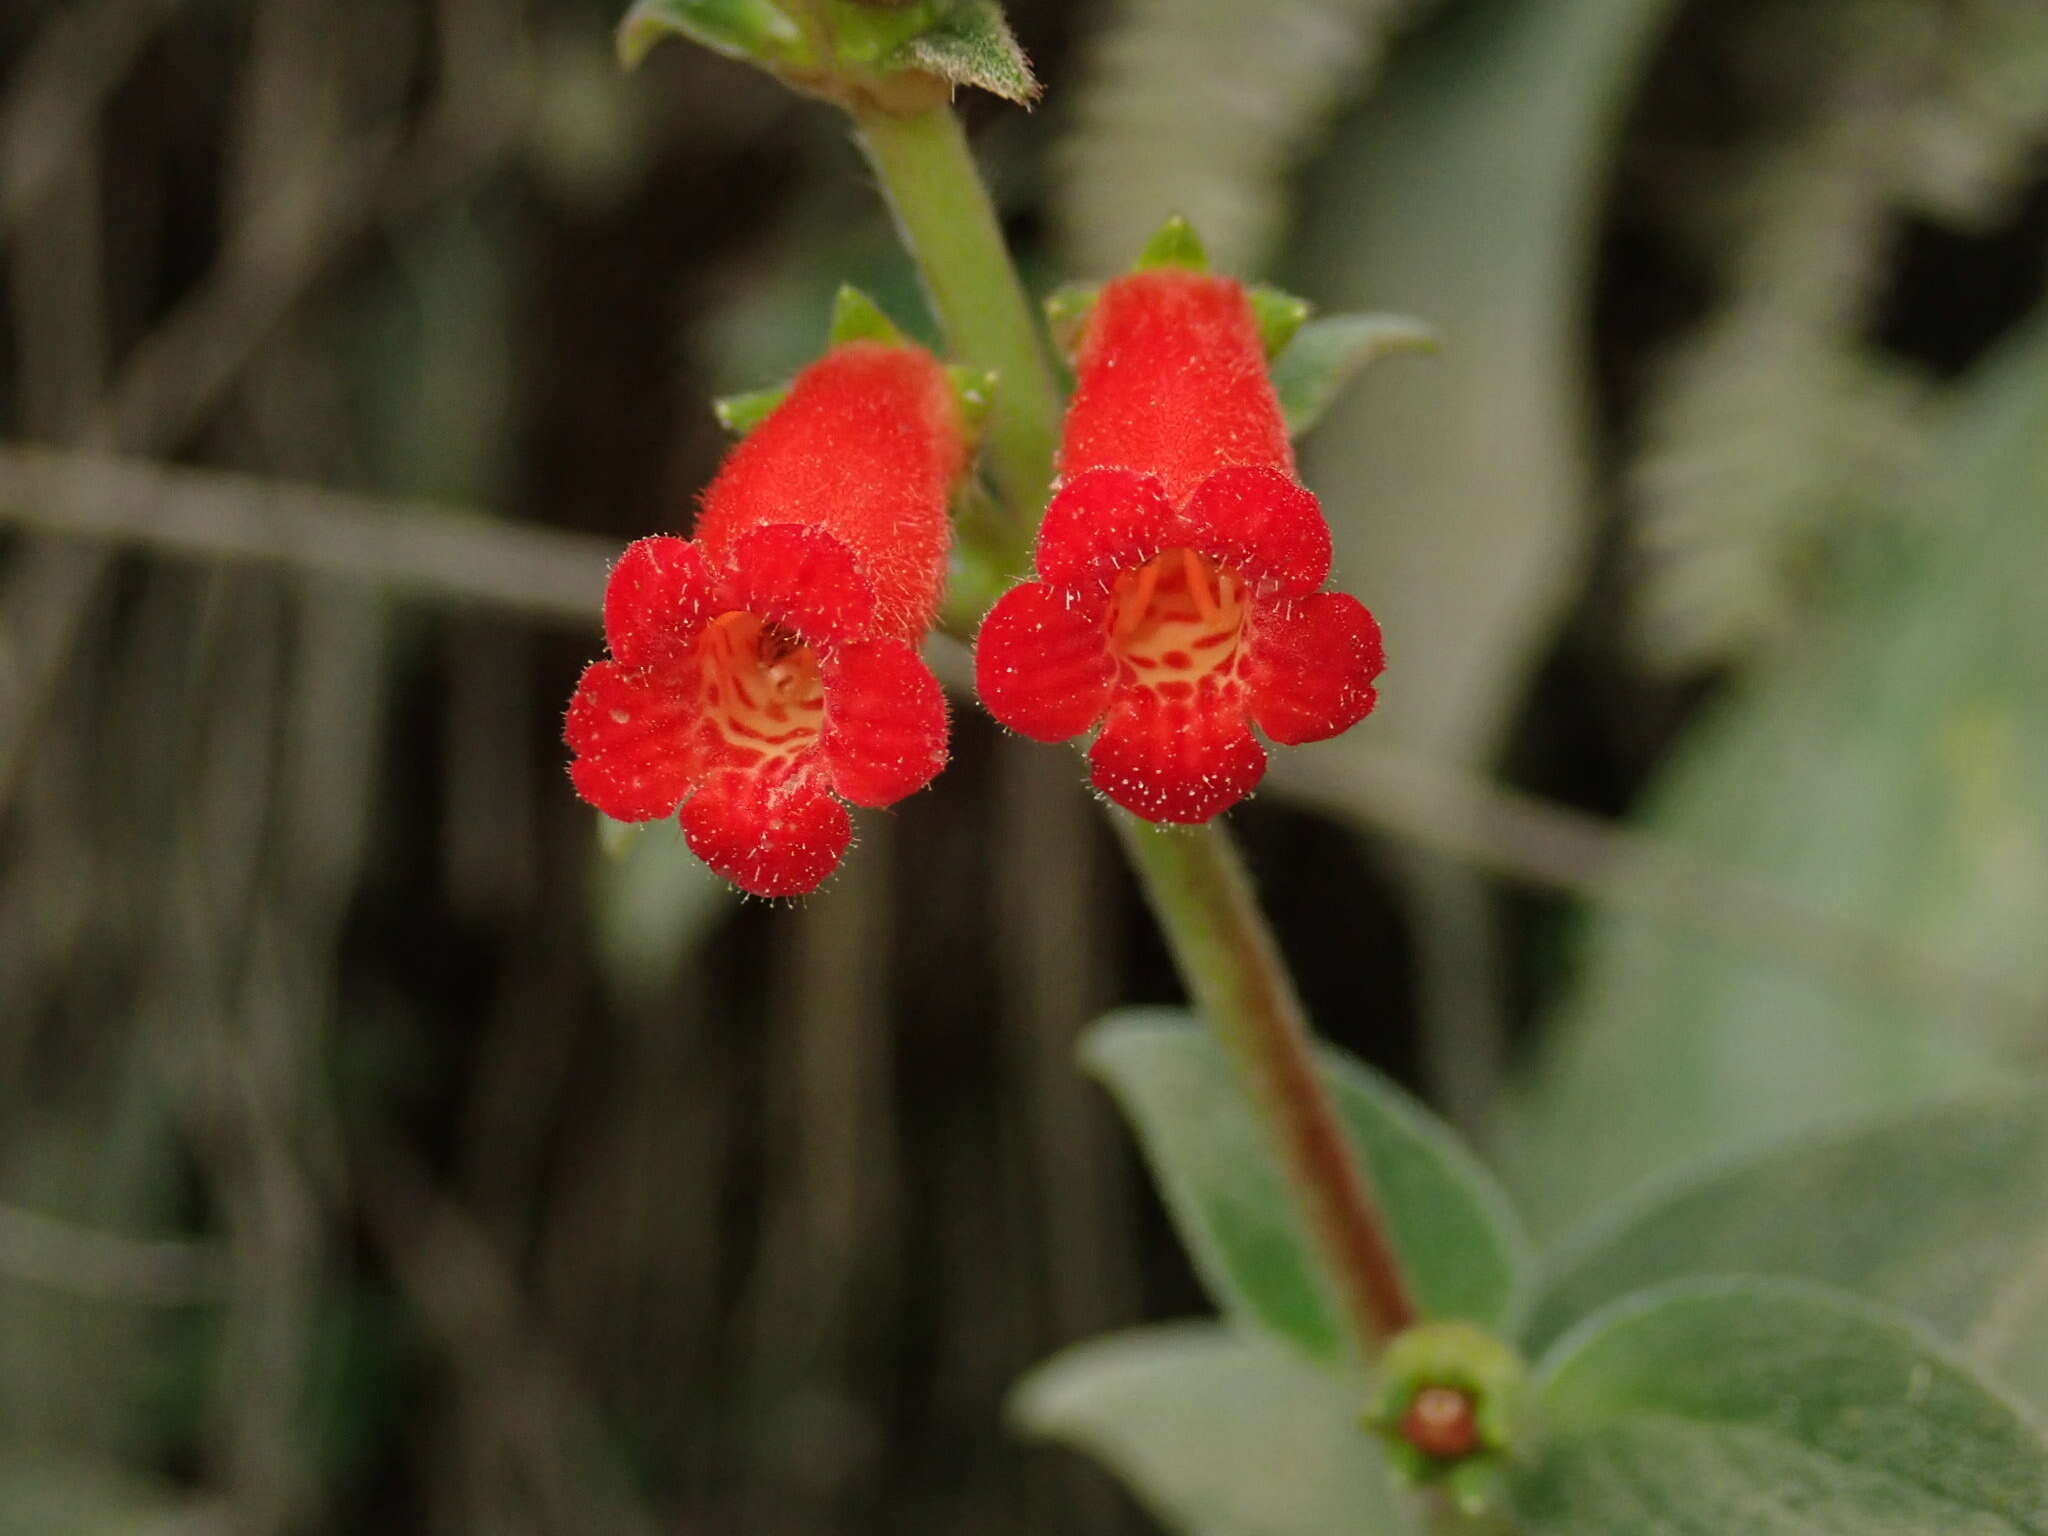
(771, 663)
(1181, 566)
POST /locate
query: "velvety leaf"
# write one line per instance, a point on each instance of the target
(1889, 772)
(972, 44)
(1218, 1434)
(1772, 1409)
(756, 30)
(1457, 1238)
(1942, 1213)
(1324, 354)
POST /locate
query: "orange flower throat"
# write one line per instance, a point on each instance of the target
(762, 689)
(1176, 623)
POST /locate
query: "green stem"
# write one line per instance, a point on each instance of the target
(950, 225)
(1199, 891)
(1192, 877)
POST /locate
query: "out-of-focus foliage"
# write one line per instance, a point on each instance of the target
(1776, 421)
(1938, 1213)
(1781, 1409)
(1220, 1434)
(1892, 773)
(1203, 108)
(1229, 1197)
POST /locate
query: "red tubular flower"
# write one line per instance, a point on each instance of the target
(770, 664)
(1181, 566)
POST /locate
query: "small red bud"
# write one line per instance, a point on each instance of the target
(1441, 1422)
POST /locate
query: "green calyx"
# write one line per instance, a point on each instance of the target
(1175, 244)
(856, 317)
(889, 55)
(1449, 1409)
(975, 390)
(1280, 315)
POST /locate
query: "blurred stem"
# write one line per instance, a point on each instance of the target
(1199, 891)
(950, 226)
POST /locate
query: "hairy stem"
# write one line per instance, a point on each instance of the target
(947, 220)
(1198, 889)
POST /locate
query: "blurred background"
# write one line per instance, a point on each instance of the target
(378, 1153)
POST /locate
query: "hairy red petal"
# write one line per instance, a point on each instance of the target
(1258, 520)
(802, 578)
(885, 722)
(658, 598)
(1100, 523)
(866, 447)
(773, 837)
(634, 733)
(1171, 381)
(1176, 760)
(1042, 664)
(1309, 667)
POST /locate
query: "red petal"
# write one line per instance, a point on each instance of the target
(1100, 523)
(1042, 664)
(1176, 760)
(1171, 380)
(634, 733)
(1261, 522)
(658, 597)
(1309, 666)
(885, 722)
(770, 838)
(801, 578)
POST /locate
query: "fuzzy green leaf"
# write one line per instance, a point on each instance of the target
(972, 44)
(1217, 1433)
(755, 30)
(1773, 1410)
(1457, 1239)
(1942, 1213)
(1324, 354)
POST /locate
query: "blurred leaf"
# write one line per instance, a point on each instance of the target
(1942, 1214)
(1218, 1434)
(1892, 772)
(1456, 1236)
(1324, 355)
(1201, 108)
(1459, 493)
(653, 900)
(49, 1492)
(1773, 1410)
(971, 44)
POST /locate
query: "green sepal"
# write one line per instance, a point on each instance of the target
(971, 44)
(1067, 309)
(1325, 353)
(1175, 244)
(1280, 315)
(975, 390)
(758, 31)
(856, 317)
(740, 414)
(870, 35)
